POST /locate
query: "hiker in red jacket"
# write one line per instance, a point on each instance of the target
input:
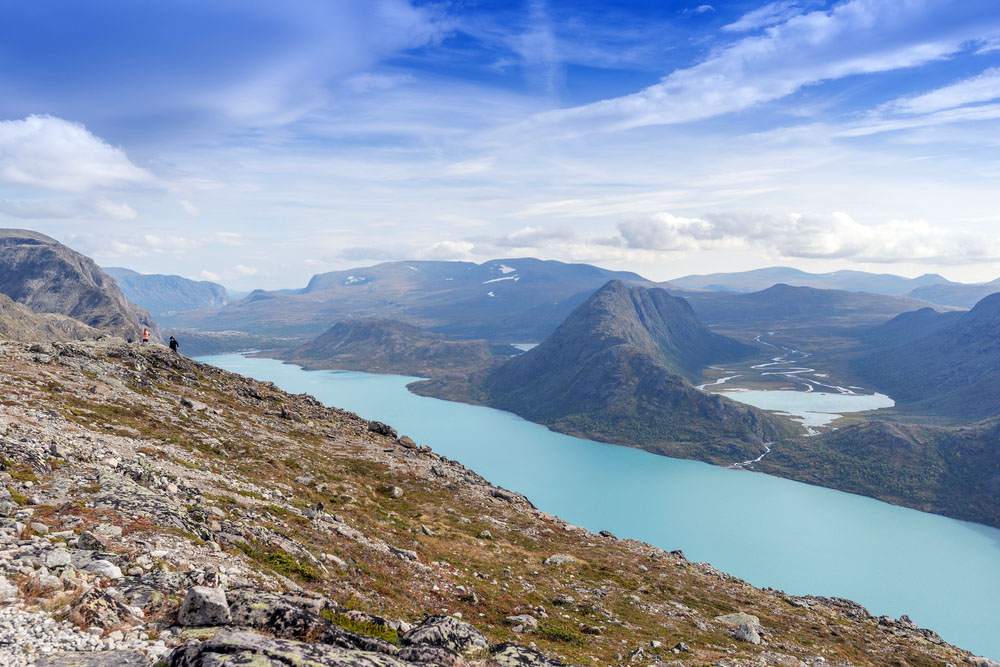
(145, 335)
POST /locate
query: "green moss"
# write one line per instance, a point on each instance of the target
(279, 561)
(558, 631)
(362, 628)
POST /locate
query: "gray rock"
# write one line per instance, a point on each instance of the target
(738, 619)
(447, 632)
(204, 606)
(523, 621)
(58, 558)
(284, 616)
(432, 655)
(122, 658)
(7, 591)
(192, 404)
(407, 442)
(512, 655)
(978, 661)
(104, 568)
(559, 559)
(247, 648)
(748, 632)
(39, 527)
(382, 429)
(91, 542)
(108, 530)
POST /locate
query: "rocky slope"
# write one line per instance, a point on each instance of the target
(19, 322)
(617, 370)
(387, 346)
(48, 277)
(161, 294)
(156, 508)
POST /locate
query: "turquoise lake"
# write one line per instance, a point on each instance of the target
(944, 574)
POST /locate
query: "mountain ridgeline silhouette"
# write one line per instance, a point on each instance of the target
(618, 370)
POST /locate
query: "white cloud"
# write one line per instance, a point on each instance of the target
(854, 37)
(106, 208)
(49, 152)
(702, 9)
(205, 274)
(447, 250)
(246, 271)
(770, 14)
(808, 236)
(981, 88)
(188, 207)
(532, 237)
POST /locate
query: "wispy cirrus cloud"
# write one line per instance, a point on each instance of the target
(770, 14)
(853, 37)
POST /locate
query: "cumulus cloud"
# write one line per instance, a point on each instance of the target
(447, 250)
(205, 274)
(851, 38)
(246, 271)
(808, 236)
(49, 152)
(188, 207)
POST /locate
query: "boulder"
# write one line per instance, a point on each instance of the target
(122, 658)
(432, 655)
(104, 568)
(204, 606)
(748, 632)
(281, 616)
(738, 619)
(559, 559)
(58, 558)
(512, 655)
(247, 648)
(382, 429)
(447, 632)
(522, 622)
(91, 542)
(96, 608)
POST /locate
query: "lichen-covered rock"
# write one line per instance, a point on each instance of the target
(123, 658)
(382, 429)
(748, 632)
(438, 656)
(448, 632)
(247, 648)
(204, 606)
(96, 608)
(559, 559)
(512, 655)
(279, 615)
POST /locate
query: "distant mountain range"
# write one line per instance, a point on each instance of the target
(784, 305)
(511, 300)
(617, 370)
(387, 346)
(48, 277)
(929, 287)
(160, 294)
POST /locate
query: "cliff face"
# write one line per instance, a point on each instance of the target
(617, 370)
(172, 499)
(161, 294)
(48, 277)
(19, 322)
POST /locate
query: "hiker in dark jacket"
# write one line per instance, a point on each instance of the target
(174, 345)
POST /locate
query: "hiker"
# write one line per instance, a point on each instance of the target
(145, 335)
(174, 345)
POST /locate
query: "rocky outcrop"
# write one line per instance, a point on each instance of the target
(48, 277)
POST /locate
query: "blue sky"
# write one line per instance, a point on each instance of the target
(257, 143)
